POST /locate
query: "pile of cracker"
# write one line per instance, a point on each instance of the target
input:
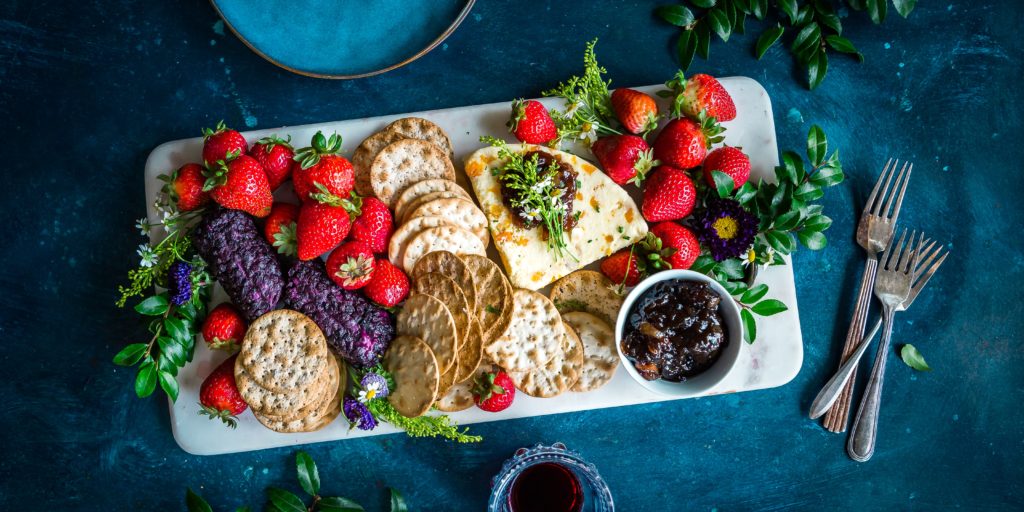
(408, 166)
(287, 375)
(459, 304)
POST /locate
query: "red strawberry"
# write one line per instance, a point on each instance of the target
(240, 184)
(636, 111)
(623, 268)
(684, 143)
(679, 246)
(185, 187)
(222, 143)
(494, 391)
(374, 225)
(275, 155)
(280, 228)
(625, 158)
(668, 195)
(219, 396)
(389, 285)
(321, 163)
(701, 93)
(351, 265)
(322, 225)
(224, 328)
(729, 160)
(531, 123)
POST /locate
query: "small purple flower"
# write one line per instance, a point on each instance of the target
(726, 229)
(373, 386)
(179, 282)
(358, 415)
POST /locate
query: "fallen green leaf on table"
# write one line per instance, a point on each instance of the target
(913, 358)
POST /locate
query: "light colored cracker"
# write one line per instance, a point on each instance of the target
(400, 238)
(461, 212)
(588, 291)
(414, 368)
(460, 396)
(419, 128)
(553, 378)
(428, 319)
(600, 359)
(471, 351)
(447, 380)
(316, 420)
(534, 336)
(426, 198)
(450, 265)
(279, 404)
(442, 238)
(421, 188)
(494, 303)
(362, 158)
(325, 394)
(284, 351)
(405, 162)
(447, 291)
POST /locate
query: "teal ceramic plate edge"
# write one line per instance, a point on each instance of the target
(433, 44)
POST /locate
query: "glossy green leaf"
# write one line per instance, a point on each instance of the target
(812, 240)
(843, 45)
(904, 6)
(781, 241)
(153, 306)
(828, 176)
(787, 221)
(169, 384)
(768, 307)
(703, 35)
(145, 380)
(749, 326)
(817, 223)
(790, 8)
(794, 166)
(720, 24)
(808, 192)
(913, 358)
(165, 364)
(877, 9)
(195, 502)
(745, 193)
(130, 354)
(817, 145)
(740, 25)
(742, 5)
(768, 39)
(175, 328)
(806, 41)
(172, 349)
(733, 287)
(703, 264)
(723, 183)
(759, 8)
(284, 500)
(685, 48)
(731, 268)
(309, 477)
(804, 15)
(398, 502)
(338, 504)
(677, 15)
(754, 294)
(704, 4)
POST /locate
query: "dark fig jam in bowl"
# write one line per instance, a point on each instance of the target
(679, 333)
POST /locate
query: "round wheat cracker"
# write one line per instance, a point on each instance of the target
(421, 188)
(414, 368)
(494, 304)
(400, 238)
(600, 358)
(428, 319)
(442, 238)
(461, 212)
(362, 158)
(588, 291)
(405, 162)
(284, 351)
(553, 378)
(452, 266)
(534, 335)
(419, 128)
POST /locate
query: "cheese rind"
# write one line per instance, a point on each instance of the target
(609, 220)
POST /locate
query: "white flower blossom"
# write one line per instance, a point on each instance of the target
(369, 392)
(147, 254)
(143, 226)
(571, 111)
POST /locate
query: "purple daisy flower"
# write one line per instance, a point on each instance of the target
(179, 282)
(373, 386)
(726, 229)
(358, 415)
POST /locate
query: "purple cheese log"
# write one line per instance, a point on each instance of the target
(357, 330)
(240, 259)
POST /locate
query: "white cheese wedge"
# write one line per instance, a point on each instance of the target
(609, 220)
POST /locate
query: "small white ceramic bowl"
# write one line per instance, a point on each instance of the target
(710, 378)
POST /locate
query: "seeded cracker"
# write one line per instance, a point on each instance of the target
(493, 296)
(414, 368)
(534, 337)
(419, 128)
(421, 188)
(400, 238)
(405, 162)
(553, 378)
(450, 265)
(284, 351)
(589, 291)
(600, 359)
(362, 158)
(461, 212)
(443, 238)
(428, 319)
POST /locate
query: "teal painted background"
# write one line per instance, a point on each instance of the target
(87, 89)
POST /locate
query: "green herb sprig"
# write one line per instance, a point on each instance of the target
(282, 500)
(787, 213)
(815, 23)
(536, 193)
(588, 113)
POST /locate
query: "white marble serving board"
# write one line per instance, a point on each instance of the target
(772, 361)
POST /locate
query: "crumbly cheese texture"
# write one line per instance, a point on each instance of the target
(609, 220)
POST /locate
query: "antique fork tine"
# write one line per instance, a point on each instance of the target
(870, 203)
(903, 177)
(892, 288)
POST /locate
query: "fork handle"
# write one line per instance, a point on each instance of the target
(836, 417)
(861, 444)
(830, 392)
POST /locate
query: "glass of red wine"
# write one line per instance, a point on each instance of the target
(549, 479)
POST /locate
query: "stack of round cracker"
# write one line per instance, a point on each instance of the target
(459, 305)
(287, 375)
(590, 305)
(408, 166)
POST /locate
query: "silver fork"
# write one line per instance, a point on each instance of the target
(874, 233)
(892, 287)
(830, 392)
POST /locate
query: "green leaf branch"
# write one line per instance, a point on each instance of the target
(814, 25)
